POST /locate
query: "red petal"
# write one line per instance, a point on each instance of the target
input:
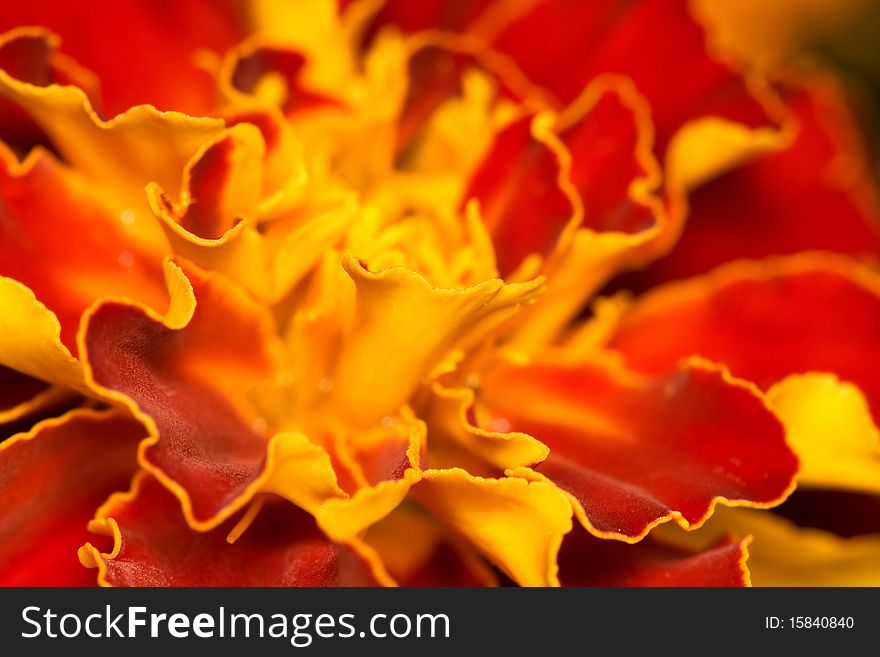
(816, 194)
(154, 546)
(764, 320)
(120, 42)
(193, 385)
(588, 561)
(633, 454)
(607, 134)
(51, 481)
(655, 42)
(45, 206)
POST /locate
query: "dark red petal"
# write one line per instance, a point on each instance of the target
(142, 51)
(634, 453)
(282, 547)
(815, 194)
(588, 561)
(195, 385)
(52, 480)
(764, 320)
(254, 63)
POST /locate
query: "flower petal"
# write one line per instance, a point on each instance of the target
(52, 479)
(418, 551)
(45, 204)
(190, 377)
(588, 561)
(815, 193)
(829, 426)
(153, 546)
(122, 37)
(518, 525)
(783, 555)
(403, 327)
(633, 453)
(764, 320)
(654, 42)
(123, 153)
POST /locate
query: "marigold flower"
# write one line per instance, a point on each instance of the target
(531, 292)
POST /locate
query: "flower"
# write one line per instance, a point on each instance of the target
(342, 294)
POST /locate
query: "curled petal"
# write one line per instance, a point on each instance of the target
(52, 479)
(126, 152)
(123, 37)
(588, 561)
(403, 327)
(517, 524)
(190, 377)
(633, 453)
(764, 320)
(655, 42)
(153, 546)
(815, 193)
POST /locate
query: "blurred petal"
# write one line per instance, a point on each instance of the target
(190, 377)
(46, 205)
(118, 38)
(633, 453)
(784, 555)
(588, 561)
(764, 320)
(153, 546)
(816, 193)
(518, 525)
(52, 479)
(829, 426)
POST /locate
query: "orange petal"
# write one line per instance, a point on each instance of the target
(588, 561)
(119, 38)
(190, 377)
(46, 205)
(22, 396)
(633, 453)
(52, 479)
(154, 546)
(764, 320)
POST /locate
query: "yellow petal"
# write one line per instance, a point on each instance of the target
(403, 327)
(30, 338)
(830, 427)
(517, 524)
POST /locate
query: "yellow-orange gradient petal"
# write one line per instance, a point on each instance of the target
(52, 479)
(403, 327)
(829, 426)
(634, 452)
(517, 524)
(153, 546)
